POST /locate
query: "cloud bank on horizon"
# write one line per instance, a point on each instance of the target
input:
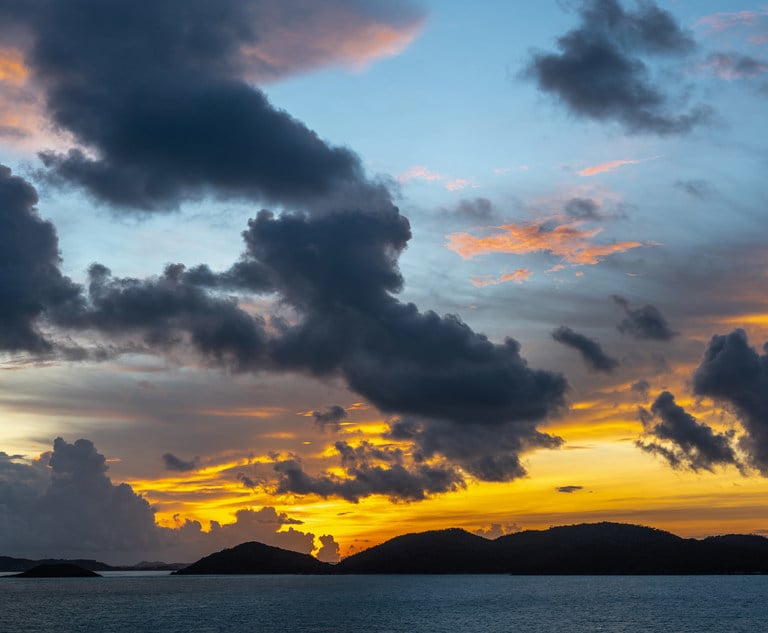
(148, 125)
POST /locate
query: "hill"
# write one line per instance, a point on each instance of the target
(589, 548)
(257, 558)
(57, 570)
(451, 551)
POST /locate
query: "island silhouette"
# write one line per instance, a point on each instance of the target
(587, 548)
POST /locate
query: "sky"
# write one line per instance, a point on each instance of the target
(320, 274)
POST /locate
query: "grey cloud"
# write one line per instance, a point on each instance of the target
(697, 188)
(569, 489)
(685, 442)
(369, 471)
(645, 323)
(583, 209)
(734, 373)
(590, 350)
(162, 309)
(642, 389)
(731, 65)
(329, 551)
(602, 72)
(179, 465)
(330, 418)
(31, 283)
(65, 505)
(475, 209)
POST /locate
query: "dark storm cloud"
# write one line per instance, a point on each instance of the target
(697, 188)
(590, 350)
(179, 465)
(166, 308)
(170, 118)
(339, 271)
(487, 452)
(157, 92)
(601, 71)
(31, 284)
(369, 470)
(569, 489)
(734, 373)
(330, 418)
(686, 443)
(645, 323)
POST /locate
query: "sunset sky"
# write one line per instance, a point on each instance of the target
(321, 273)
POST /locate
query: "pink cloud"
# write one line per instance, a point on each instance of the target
(518, 276)
(457, 184)
(727, 20)
(420, 172)
(299, 36)
(611, 165)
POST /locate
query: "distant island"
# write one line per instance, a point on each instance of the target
(587, 548)
(57, 570)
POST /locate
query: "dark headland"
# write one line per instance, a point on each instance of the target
(594, 548)
(57, 570)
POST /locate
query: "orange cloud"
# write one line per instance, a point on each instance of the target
(565, 240)
(611, 165)
(518, 276)
(12, 69)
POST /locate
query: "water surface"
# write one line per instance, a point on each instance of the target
(386, 604)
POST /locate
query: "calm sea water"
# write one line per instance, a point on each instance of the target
(391, 604)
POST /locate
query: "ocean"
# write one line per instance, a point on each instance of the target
(138, 603)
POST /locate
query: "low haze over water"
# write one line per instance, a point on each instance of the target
(391, 604)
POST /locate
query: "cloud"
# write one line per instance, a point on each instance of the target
(164, 309)
(583, 209)
(495, 530)
(457, 184)
(179, 465)
(475, 209)
(685, 443)
(730, 66)
(730, 19)
(171, 116)
(329, 551)
(369, 470)
(610, 166)
(31, 283)
(173, 119)
(735, 374)
(569, 489)
(419, 172)
(561, 237)
(645, 323)
(518, 276)
(63, 504)
(590, 350)
(601, 71)
(697, 188)
(330, 418)
(642, 389)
